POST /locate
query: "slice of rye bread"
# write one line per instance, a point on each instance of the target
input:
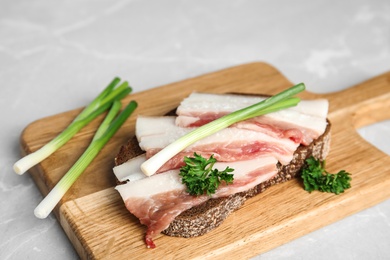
(209, 215)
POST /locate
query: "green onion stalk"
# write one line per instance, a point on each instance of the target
(114, 91)
(275, 103)
(106, 130)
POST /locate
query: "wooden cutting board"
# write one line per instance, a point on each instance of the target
(94, 217)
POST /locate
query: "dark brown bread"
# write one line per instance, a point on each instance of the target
(209, 215)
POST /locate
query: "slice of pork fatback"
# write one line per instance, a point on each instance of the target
(130, 170)
(158, 199)
(228, 145)
(302, 123)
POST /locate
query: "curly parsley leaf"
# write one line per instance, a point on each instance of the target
(315, 177)
(200, 177)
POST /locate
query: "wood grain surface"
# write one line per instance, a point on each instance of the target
(97, 223)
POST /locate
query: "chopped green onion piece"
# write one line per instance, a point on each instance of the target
(104, 133)
(100, 104)
(274, 103)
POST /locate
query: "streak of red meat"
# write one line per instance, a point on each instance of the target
(158, 211)
(227, 153)
(265, 125)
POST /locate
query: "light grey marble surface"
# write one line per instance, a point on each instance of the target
(56, 56)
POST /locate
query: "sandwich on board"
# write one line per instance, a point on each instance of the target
(256, 153)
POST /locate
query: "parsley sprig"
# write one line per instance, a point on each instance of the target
(200, 177)
(315, 177)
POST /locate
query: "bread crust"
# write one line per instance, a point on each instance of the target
(205, 217)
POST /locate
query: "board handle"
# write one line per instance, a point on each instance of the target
(372, 112)
(367, 102)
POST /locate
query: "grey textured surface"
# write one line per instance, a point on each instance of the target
(57, 55)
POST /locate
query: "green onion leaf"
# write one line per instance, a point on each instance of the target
(99, 105)
(106, 130)
(277, 102)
